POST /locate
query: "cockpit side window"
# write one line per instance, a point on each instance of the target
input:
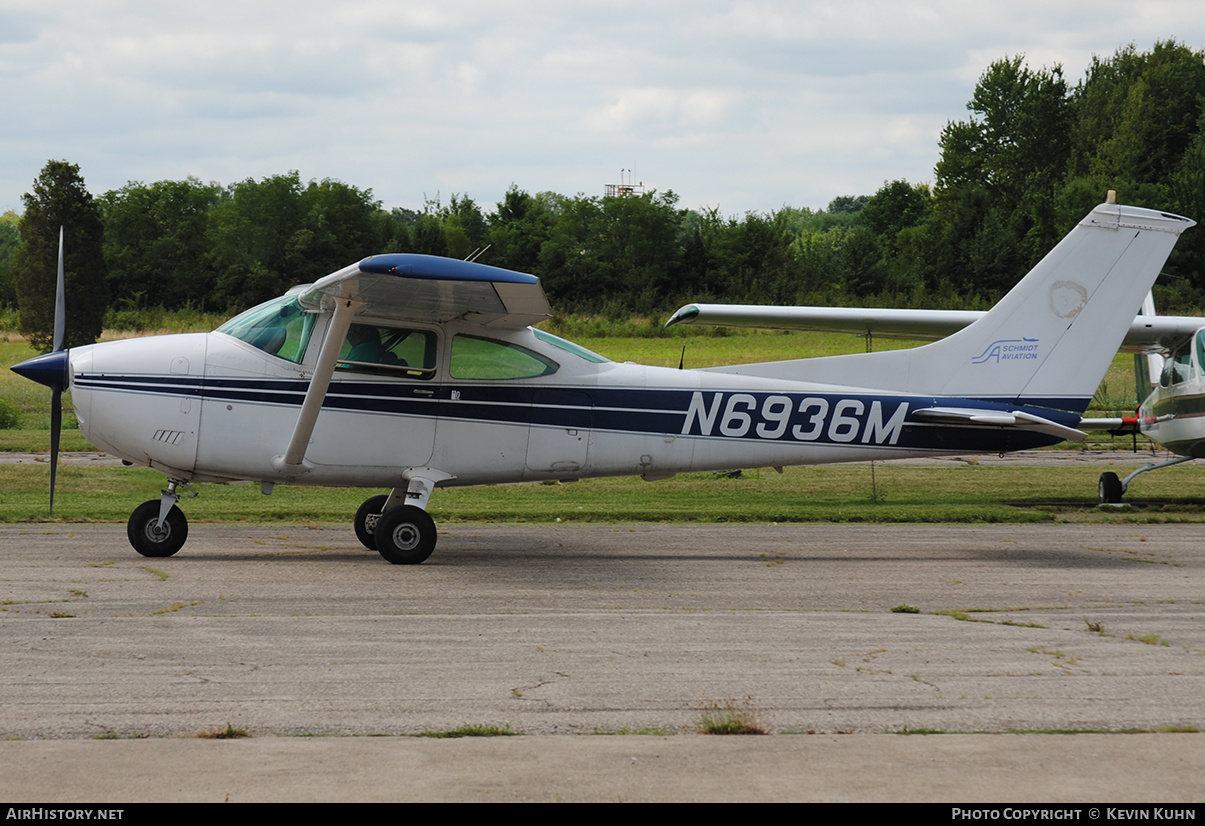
(1177, 367)
(389, 350)
(279, 327)
(1199, 341)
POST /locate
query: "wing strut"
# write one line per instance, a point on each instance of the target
(292, 461)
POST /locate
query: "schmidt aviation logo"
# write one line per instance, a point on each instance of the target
(1013, 349)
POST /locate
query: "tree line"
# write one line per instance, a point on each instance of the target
(1034, 155)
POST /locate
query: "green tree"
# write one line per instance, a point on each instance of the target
(1138, 130)
(751, 260)
(338, 225)
(1137, 114)
(1187, 187)
(464, 227)
(847, 204)
(60, 199)
(1018, 140)
(427, 236)
(10, 239)
(400, 223)
(517, 230)
(250, 233)
(895, 206)
(156, 245)
(265, 236)
(620, 253)
(999, 178)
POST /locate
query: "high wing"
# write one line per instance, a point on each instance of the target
(401, 287)
(1147, 334)
(406, 287)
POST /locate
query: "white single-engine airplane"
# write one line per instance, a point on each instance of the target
(1173, 414)
(411, 372)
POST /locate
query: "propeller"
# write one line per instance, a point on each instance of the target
(53, 370)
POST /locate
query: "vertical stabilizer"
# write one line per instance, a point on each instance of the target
(1051, 339)
(1048, 342)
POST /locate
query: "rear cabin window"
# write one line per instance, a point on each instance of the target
(389, 351)
(485, 358)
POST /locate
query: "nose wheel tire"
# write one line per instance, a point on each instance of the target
(405, 535)
(1110, 488)
(366, 521)
(150, 539)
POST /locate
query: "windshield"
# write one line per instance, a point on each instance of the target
(279, 327)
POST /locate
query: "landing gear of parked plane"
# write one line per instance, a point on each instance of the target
(1111, 488)
(150, 536)
(366, 521)
(157, 528)
(405, 535)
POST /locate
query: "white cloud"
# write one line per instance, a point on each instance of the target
(747, 104)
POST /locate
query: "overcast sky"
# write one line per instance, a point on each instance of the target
(737, 105)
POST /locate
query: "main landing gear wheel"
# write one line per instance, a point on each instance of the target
(405, 535)
(154, 540)
(366, 521)
(1110, 488)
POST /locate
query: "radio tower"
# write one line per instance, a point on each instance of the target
(625, 188)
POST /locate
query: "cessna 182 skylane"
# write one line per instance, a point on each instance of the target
(410, 372)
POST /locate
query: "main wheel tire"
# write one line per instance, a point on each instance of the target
(1110, 488)
(366, 521)
(405, 535)
(157, 541)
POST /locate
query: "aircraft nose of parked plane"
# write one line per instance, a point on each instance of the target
(52, 369)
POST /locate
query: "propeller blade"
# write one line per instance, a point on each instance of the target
(56, 425)
(56, 396)
(53, 369)
(60, 301)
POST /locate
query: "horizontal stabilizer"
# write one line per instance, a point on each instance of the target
(1016, 418)
(1128, 424)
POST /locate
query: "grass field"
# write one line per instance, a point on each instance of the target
(964, 493)
(841, 493)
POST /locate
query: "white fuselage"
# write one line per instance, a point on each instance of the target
(210, 407)
(1173, 415)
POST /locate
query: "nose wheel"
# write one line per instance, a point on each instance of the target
(152, 538)
(158, 528)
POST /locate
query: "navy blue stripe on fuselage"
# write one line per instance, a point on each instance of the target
(791, 417)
